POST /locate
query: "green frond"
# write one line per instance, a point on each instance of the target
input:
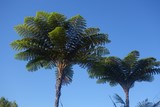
(119, 99)
(100, 51)
(93, 53)
(145, 66)
(29, 43)
(107, 70)
(131, 59)
(115, 65)
(34, 65)
(88, 45)
(58, 37)
(75, 31)
(43, 15)
(20, 45)
(113, 60)
(39, 62)
(76, 25)
(152, 71)
(27, 55)
(25, 30)
(145, 103)
(49, 64)
(101, 81)
(157, 63)
(42, 26)
(29, 21)
(97, 39)
(107, 79)
(96, 70)
(145, 77)
(56, 20)
(112, 82)
(132, 56)
(92, 31)
(68, 75)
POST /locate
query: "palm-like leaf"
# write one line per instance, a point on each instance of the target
(146, 103)
(68, 74)
(119, 99)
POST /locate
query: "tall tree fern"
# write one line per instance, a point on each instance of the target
(51, 40)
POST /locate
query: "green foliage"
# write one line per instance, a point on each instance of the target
(58, 37)
(49, 38)
(147, 103)
(5, 103)
(68, 75)
(125, 71)
(119, 99)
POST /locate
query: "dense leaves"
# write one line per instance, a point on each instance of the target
(125, 71)
(50, 37)
(5, 103)
(147, 103)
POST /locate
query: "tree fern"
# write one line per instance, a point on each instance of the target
(50, 40)
(124, 72)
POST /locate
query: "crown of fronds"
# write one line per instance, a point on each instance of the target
(49, 38)
(124, 71)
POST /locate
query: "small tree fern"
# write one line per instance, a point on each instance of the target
(124, 72)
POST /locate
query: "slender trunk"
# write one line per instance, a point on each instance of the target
(127, 96)
(58, 86)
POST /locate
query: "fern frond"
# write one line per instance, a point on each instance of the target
(29, 43)
(29, 21)
(58, 37)
(27, 55)
(119, 99)
(25, 30)
(76, 25)
(56, 20)
(68, 75)
(37, 63)
(43, 15)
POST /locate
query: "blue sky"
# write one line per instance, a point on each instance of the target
(131, 25)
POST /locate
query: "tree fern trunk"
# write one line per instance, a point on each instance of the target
(58, 91)
(127, 97)
(58, 86)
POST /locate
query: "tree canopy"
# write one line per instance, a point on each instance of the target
(5, 103)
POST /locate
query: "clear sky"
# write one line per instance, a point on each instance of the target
(131, 25)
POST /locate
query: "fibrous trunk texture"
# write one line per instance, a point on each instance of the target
(59, 84)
